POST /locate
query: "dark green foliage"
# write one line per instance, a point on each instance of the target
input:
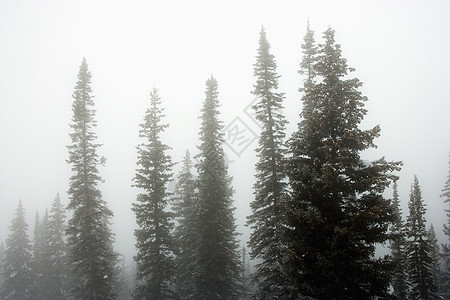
(398, 251)
(267, 219)
(216, 273)
(419, 248)
(17, 277)
(445, 280)
(91, 256)
(185, 232)
(155, 261)
(337, 215)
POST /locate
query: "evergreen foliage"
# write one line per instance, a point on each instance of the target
(270, 189)
(91, 256)
(309, 50)
(398, 251)
(337, 215)
(155, 256)
(185, 233)
(216, 274)
(17, 263)
(55, 272)
(435, 259)
(445, 280)
(36, 262)
(419, 248)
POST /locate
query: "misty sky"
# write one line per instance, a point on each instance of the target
(400, 50)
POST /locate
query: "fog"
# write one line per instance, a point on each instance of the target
(399, 49)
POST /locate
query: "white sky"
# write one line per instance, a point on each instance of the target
(399, 49)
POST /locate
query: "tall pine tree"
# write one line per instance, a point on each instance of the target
(17, 277)
(155, 261)
(445, 280)
(217, 256)
(337, 215)
(270, 190)
(185, 232)
(398, 243)
(91, 256)
(419, 260)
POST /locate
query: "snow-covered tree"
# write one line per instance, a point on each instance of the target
(155, 256)
(185, 232)
(217, 251)
(91, 256)
(270, 189)
(445, 280)
(419, 260)
(337, 214)
(398, 243)
(18, 277)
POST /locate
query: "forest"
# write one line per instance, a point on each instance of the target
(319, 210)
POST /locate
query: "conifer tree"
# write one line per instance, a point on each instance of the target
(445, 280)
(435, 258)
(89, 238)
(337, 213)
(55, 272)
(37, 263)
(267, 219)
(419, 248)
(18, 278)
(155, 261)
(185, 232)
(216, 273)
(247, 289)
(398, 243)
(309, 50)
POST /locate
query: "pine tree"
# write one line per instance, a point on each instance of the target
(37, 263)
(337, 215)
(435, 258)
(54, 272)
(123, 279)
(155, 261)
(92, 258)
(18, 276)
(419, 260)
(309, 56)
(217, 259)
(185, 232)
(247, 289)
(445, 254)
(398, 242)
(266, 220)
(45, 280)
